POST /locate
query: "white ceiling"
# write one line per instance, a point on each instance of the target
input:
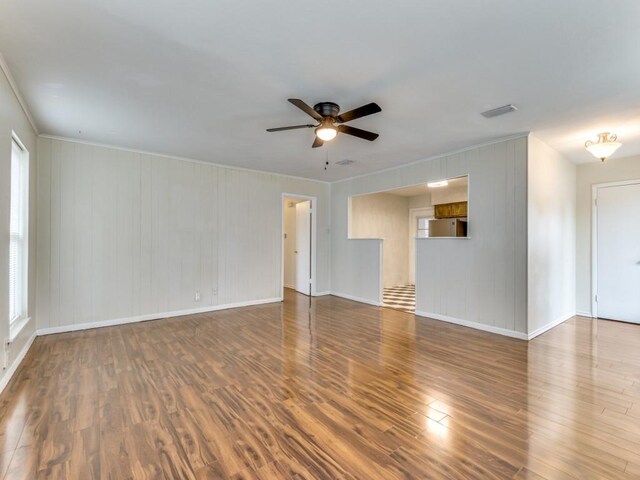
(203, 79)
(422, 188)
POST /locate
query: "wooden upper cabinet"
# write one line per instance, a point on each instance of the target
(451, 210)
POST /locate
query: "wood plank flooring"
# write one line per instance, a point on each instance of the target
(349, 391)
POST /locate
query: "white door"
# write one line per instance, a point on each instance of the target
(418, 228)
(618, 252)
(303, 247)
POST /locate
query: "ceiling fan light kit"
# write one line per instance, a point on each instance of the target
(326, 131)
(330, 122)
(604, 147)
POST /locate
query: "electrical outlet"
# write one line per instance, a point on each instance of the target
(214, 292)
(197, 296)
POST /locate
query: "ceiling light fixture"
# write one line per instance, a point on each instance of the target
(326, 130)
(326, 133)
(604, 147)
(442, 183)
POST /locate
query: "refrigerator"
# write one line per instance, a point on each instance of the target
(448, 227)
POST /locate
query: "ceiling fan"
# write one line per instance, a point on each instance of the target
(330, 122)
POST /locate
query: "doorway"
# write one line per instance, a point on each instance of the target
(298, 243)
(616, 251)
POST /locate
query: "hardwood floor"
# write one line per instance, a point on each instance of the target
(348, 392)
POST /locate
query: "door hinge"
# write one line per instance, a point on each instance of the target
(596, 298)
(596, 202)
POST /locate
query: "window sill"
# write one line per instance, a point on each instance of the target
(16, 327)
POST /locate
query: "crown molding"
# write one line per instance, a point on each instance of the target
(174, 157)
(440, 155)
(12, 83)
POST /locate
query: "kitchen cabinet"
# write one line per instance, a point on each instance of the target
(451, 210)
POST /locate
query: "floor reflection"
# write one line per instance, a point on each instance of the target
(337, 389)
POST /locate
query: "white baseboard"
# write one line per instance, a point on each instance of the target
(478, 326)
(356, 299)
(321, 294)
(16, 362)
(153, 316)
(584, 314)
(549, 326)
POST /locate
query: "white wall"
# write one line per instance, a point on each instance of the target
(128, 235)
(612, 170)
(551, 215)
(481, 279)
(385, 216)
(12, 117)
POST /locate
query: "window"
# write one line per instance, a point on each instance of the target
(423, 227)
(18, 228)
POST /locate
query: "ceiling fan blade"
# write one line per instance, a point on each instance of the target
(305, 108)
(293, 127)
(356, 132)
(317, 143)
(363, 111)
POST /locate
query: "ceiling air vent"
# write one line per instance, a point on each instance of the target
(344, 162)
(499, 111)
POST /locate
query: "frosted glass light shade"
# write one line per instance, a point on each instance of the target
(326, 133)
(604, 147)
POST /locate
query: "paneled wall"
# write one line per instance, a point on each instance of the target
(13, 118)
(551, 230)
(480, 280)
(126, 235)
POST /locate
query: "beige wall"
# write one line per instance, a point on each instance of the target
(551, 227)
(420, 201)
(449, 194)
(612, 170)
(385, 216)
(13, 118)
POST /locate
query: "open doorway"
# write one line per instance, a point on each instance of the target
(298, 244)
(400, 217)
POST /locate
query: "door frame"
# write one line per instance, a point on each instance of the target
(413, 215)
(314, 230)
(594, 237)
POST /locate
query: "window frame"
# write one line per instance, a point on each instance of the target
(20, 316)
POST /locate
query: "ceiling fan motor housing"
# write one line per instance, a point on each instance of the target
(327, 109)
